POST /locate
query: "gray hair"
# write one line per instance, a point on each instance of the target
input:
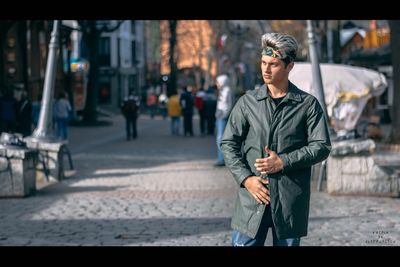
(280, 45)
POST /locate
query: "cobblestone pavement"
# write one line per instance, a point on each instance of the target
(161, 190)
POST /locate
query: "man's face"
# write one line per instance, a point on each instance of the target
(274, 70)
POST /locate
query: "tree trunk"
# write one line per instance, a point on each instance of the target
(395, 110)
(333, 41)
(92, 40)
(171, 89)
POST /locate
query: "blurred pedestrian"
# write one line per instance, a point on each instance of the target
(62, 110)
(24, 114)
(174, 112)
(225, 103)
(36, 105)
(162, 104)
(199, 104)
(152, 103)
(283, 132)
(8, 112)
(187, 105)
(129, 109)
(209, 107)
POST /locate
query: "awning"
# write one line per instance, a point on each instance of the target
(346, 88)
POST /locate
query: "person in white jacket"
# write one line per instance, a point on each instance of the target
(225, 104)
(62, 109)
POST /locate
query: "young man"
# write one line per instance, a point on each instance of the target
(283, 132)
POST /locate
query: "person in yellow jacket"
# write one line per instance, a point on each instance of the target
(175, 112)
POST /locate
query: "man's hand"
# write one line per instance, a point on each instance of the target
(271, 164)
(255, 185)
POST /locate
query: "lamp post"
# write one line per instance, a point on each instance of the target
(50, 150)
(43, 132)
(318, 88)
(316, 71)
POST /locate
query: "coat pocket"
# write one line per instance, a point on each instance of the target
(247, 200)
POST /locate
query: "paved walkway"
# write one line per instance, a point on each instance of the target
(161, 190)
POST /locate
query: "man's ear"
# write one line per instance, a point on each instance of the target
(290, 66)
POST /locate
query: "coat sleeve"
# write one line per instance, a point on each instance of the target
(234, 135)
(319, 145)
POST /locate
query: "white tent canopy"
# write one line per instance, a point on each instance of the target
(346, 88)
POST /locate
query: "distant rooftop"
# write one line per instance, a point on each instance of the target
(347, 34)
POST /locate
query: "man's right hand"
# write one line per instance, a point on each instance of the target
(255, 185)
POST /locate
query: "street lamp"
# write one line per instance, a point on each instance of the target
(43, 132)
(318, 89)
(316, 71)
(51, 151)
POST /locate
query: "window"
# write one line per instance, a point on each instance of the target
(133, 27)
(104, 51)
(104, 93)
(134, 59)
(133, 84)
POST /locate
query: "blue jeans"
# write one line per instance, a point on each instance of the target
(62, 128)
(239, 239)
(175, 124)
(220, 124)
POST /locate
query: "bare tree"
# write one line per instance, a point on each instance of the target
(169, 56)
(194, 45)
(297, 28)
(395, 110)
(171, 89)
(153, 48)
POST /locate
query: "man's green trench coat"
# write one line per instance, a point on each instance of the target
(297, 131)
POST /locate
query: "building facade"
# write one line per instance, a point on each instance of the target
(122, 62)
